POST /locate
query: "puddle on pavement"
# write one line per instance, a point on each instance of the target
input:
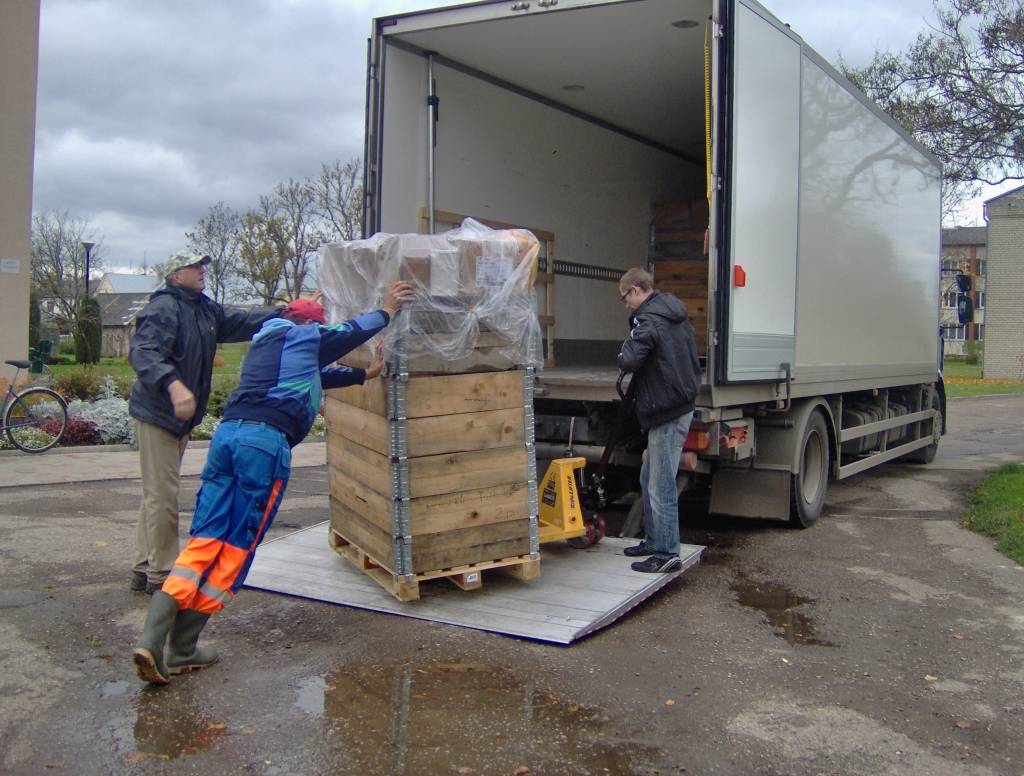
(165, 725)
(777, 603)
(466, 718)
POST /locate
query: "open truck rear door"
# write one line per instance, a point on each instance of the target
(761, 165)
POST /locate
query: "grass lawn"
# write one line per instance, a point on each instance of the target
(997, 510)
(965, 380)
(232, 353)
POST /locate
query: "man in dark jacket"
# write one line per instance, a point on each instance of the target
(172, 352)
(661, 354)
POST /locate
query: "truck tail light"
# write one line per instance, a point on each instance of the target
(697, 440)
(733, 438)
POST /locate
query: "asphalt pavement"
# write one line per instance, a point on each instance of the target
(886, 639)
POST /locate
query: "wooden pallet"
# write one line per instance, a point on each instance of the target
(467, 577)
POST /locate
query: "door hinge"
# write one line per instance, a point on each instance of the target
(547, 3)
(520, 6)
(717, 30)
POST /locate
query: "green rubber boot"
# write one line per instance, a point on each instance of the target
(149, 655)
(183, 654)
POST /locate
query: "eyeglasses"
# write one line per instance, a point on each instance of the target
(627, 293)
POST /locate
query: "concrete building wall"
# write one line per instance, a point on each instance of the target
(19, 65)
(1004, 309)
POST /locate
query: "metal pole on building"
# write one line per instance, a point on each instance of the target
(88, 253)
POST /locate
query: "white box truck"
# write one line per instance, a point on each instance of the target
(817, 277)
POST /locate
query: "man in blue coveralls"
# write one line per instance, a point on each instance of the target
(247, 470)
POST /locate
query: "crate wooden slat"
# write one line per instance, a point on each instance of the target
(430, 475)
(429, 436)
(431, 552)
(442, 395)
(688, 280)
(437, 513)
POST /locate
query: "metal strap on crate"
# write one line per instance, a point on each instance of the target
(398, 377)
(529, 434)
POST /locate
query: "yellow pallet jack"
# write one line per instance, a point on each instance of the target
(560, 514)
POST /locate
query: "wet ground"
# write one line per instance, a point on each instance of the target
(883, 640)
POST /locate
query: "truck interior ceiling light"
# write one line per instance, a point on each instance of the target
(573, 87)
(685, 24)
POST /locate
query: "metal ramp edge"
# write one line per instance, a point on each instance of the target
(578, 593)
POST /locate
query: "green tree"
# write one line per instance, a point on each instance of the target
(58, 263)
(34, 318)
(960, 89)
(89, 331)
(291, 218)
(260, 257)
(338, 192)
(216, 235)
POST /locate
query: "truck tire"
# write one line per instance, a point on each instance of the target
(927, 454)
(809, 484)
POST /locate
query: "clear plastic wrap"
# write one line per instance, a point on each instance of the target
(475, 308)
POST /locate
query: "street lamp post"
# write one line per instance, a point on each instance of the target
(88, 252)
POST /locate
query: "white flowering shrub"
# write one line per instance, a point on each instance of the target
(108, 388)
(110, 416)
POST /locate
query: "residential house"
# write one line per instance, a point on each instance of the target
(121, 296)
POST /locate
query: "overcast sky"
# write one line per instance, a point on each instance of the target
(150, 112)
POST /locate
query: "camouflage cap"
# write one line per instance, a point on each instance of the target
(183, 259)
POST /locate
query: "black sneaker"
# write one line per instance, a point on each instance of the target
(138, 581)
(638, 551)
(655, 564)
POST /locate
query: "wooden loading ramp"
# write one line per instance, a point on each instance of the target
(578, 591)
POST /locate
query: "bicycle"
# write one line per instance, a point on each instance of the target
(34, 419)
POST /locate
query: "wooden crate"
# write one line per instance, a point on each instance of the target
(688, 280)
(466, 471)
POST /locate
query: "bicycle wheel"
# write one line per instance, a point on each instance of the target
(36, 419)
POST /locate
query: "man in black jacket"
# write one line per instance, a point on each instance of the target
(661, 354)
(172, 353)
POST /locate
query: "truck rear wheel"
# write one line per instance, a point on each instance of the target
(809, 484)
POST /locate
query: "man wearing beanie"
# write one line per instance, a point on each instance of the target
(247, 470)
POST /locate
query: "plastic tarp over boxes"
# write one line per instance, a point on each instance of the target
(475, 308)
(433, 473)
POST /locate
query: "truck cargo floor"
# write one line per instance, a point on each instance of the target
(578, 592)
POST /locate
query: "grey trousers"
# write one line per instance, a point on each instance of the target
(156, 535)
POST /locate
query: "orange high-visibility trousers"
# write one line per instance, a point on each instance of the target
(244, 480)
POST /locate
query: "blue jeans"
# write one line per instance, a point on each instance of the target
(658, 484)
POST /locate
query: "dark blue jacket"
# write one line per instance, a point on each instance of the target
(288, 366)
(661, 354)
(176, 336)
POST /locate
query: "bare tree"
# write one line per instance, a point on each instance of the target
(960, 89)
(291, 219)
(58, 262)
(339, 199)
(260, 262)
(216, 235)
